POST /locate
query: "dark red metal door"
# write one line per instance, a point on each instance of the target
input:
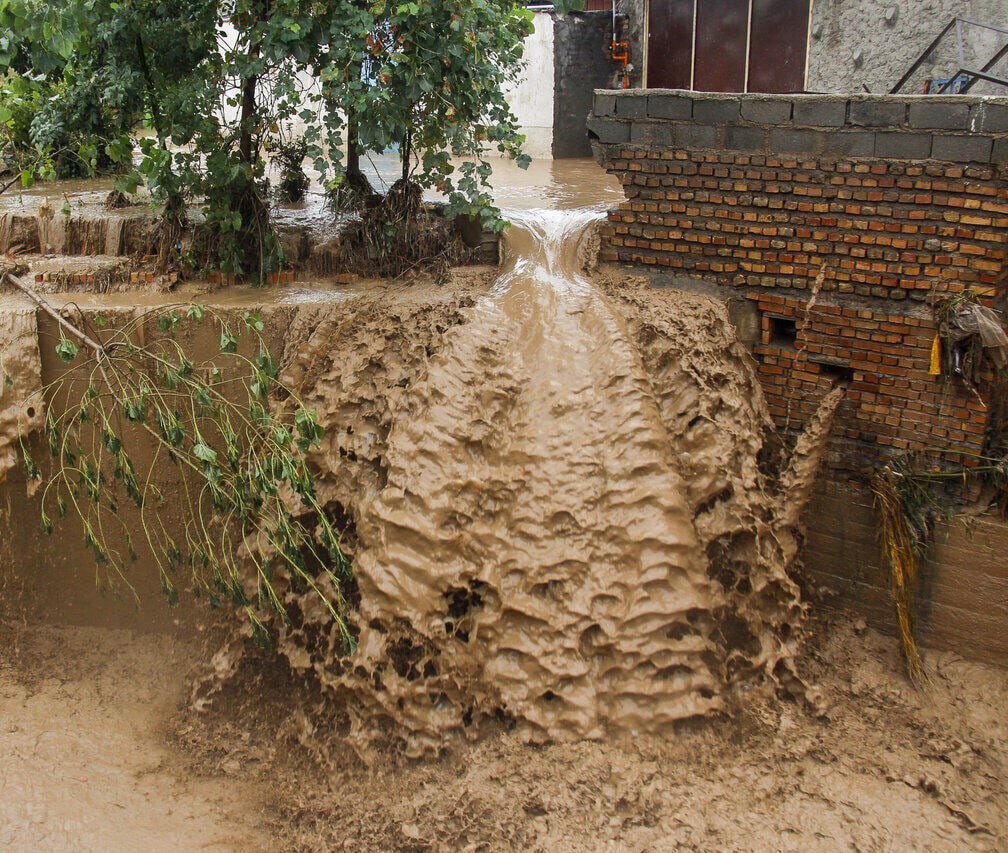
(670, 43)
(717, 46)
(777, 45)
(721, 29)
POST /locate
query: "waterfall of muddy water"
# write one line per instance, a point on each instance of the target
(553, 511)
(533, 533)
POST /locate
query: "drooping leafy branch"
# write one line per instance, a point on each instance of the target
(240, 509)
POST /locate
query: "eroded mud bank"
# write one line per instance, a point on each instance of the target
(556, 505)
(559, 499)
(21, 409)
(885, 764)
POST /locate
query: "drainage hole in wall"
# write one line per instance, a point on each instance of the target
(783, 332)
(835, 373)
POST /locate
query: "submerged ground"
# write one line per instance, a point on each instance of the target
(103, 750)
(97, 756)
(490, 452)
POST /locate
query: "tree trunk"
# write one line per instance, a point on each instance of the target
(248, 108)
(405, 154)
(353, 169)
(152, 98)
(248, 148)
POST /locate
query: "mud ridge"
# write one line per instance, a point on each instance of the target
(556, 508)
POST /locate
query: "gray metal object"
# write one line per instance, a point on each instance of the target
(982, 73)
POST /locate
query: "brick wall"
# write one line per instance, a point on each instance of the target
(889, 198)
(893, 403)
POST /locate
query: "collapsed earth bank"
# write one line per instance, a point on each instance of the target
(564, 500)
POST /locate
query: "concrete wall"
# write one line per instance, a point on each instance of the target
(633, 14)
(531, 99)
(962, 600)
(567, 57)
(873, 42)
(857, 43)
(581, 64)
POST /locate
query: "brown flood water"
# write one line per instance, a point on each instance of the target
(539, 548)
(561, 530)
(85, 710)
(555, 184)
(537, 489)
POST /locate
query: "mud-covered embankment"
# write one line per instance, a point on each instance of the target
(560, 518)
(558, 496)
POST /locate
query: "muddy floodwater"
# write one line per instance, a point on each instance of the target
(580, 622)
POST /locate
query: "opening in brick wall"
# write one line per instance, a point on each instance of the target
(835, 372)
(783, 332)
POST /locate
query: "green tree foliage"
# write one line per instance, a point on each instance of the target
(219, 82)
(34, 48)
(429, 77)
(133, 413)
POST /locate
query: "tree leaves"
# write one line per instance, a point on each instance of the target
(239, 468)
(67, 350)
(428, 77)
(204, 452)
(228, 342)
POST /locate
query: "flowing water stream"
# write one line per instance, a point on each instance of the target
(537, 493)
(534, 551)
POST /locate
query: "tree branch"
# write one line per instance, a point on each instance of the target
(30, 292)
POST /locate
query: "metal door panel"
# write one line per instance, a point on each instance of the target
(721, 29)
(778, 44)
(670, 43)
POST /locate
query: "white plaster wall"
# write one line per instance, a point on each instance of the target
(531, 99)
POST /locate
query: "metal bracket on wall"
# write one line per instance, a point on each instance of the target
(972, 75)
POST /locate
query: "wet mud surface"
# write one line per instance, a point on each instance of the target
(558, 517)
(100, 754)
(575, 544)
(266, 762)
(886, 767)
(86, 718)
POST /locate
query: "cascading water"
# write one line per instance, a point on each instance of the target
(548, 534)
(532, 533)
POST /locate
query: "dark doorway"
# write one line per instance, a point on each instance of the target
(670, 44)
(727, 45)
(777, 45)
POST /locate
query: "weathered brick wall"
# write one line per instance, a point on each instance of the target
(893, 403)
(889, 198)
